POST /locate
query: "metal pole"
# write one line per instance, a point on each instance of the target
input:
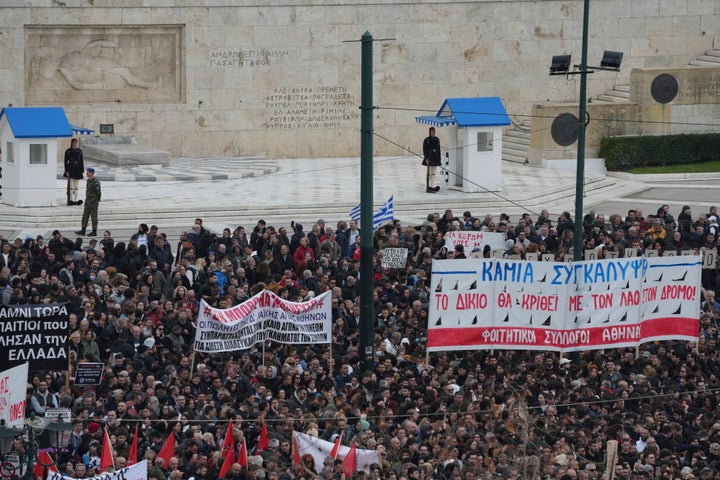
(580, 176)
(366, 203)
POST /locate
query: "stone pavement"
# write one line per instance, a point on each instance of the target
(239, 191)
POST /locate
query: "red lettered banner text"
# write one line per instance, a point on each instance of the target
(507, 304)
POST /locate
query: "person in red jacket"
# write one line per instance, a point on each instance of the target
(301, 250)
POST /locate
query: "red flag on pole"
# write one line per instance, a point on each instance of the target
(297, 460)
(229, 459)
(264, 440)
(228, 450)
(44, 460)
(350, 462)
(168, 450)
(132, 457)
(106, 457)
(242, 456)
(336, 447)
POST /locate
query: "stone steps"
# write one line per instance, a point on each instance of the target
(180, 217)
(710, 58)
(618, 94)
(516, 142)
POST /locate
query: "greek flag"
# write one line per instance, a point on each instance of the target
(355, 213)
(385, 213)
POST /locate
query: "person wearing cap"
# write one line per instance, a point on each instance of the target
(74, 168)
(93, 194)
(431, 159)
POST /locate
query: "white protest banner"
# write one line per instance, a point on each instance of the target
(35, 334)
(135, 472)
(394, 257)
(13, 385)
(265, 316)
(471, 239)
(502, 304)
(319, 449)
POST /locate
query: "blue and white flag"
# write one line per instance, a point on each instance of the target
(385, 213)
(355, 213)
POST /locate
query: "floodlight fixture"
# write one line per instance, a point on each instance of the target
(611, 60)
(560, 64)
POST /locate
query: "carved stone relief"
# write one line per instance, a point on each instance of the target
(88, 64)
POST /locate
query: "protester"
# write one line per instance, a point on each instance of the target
(447, 415)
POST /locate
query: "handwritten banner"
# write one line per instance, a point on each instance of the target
(394, 257)
(13, 384)
(506, 304)
(471, 239)
(264, 317)
(35, 334)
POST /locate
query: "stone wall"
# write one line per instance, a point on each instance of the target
(662, 101)
(240, 78)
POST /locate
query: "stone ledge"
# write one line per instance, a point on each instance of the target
(122, 151)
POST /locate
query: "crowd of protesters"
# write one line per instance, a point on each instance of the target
(448, 415)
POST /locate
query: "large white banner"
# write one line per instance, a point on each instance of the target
(470, 239)
(135, 472)
(507, 304)
(13, 385)
(319, 449)
(264, 317)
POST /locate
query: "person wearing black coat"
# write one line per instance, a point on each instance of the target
(431, 159)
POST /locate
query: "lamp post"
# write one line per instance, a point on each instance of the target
(366, 204)
(561, 65)
(580, 175)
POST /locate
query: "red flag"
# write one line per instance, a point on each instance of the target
(297, 460)
(264, 440)
(228, 450)
(350, 462)
(336, 447)
(44, 460)
(242, 456)
(168, 450)
(106, 457)
(229, 459)
(132, 458)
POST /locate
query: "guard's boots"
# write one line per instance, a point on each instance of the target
(93, 233)
(80, 232)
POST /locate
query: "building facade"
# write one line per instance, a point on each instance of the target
(282, 78)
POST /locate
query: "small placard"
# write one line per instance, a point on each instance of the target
(394, 257)
(709, 258)
(89, 373)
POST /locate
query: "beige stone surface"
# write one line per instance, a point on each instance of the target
(220, 61)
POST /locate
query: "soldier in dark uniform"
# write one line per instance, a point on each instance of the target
(432, 159)
(74, 169)
(92, 201)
